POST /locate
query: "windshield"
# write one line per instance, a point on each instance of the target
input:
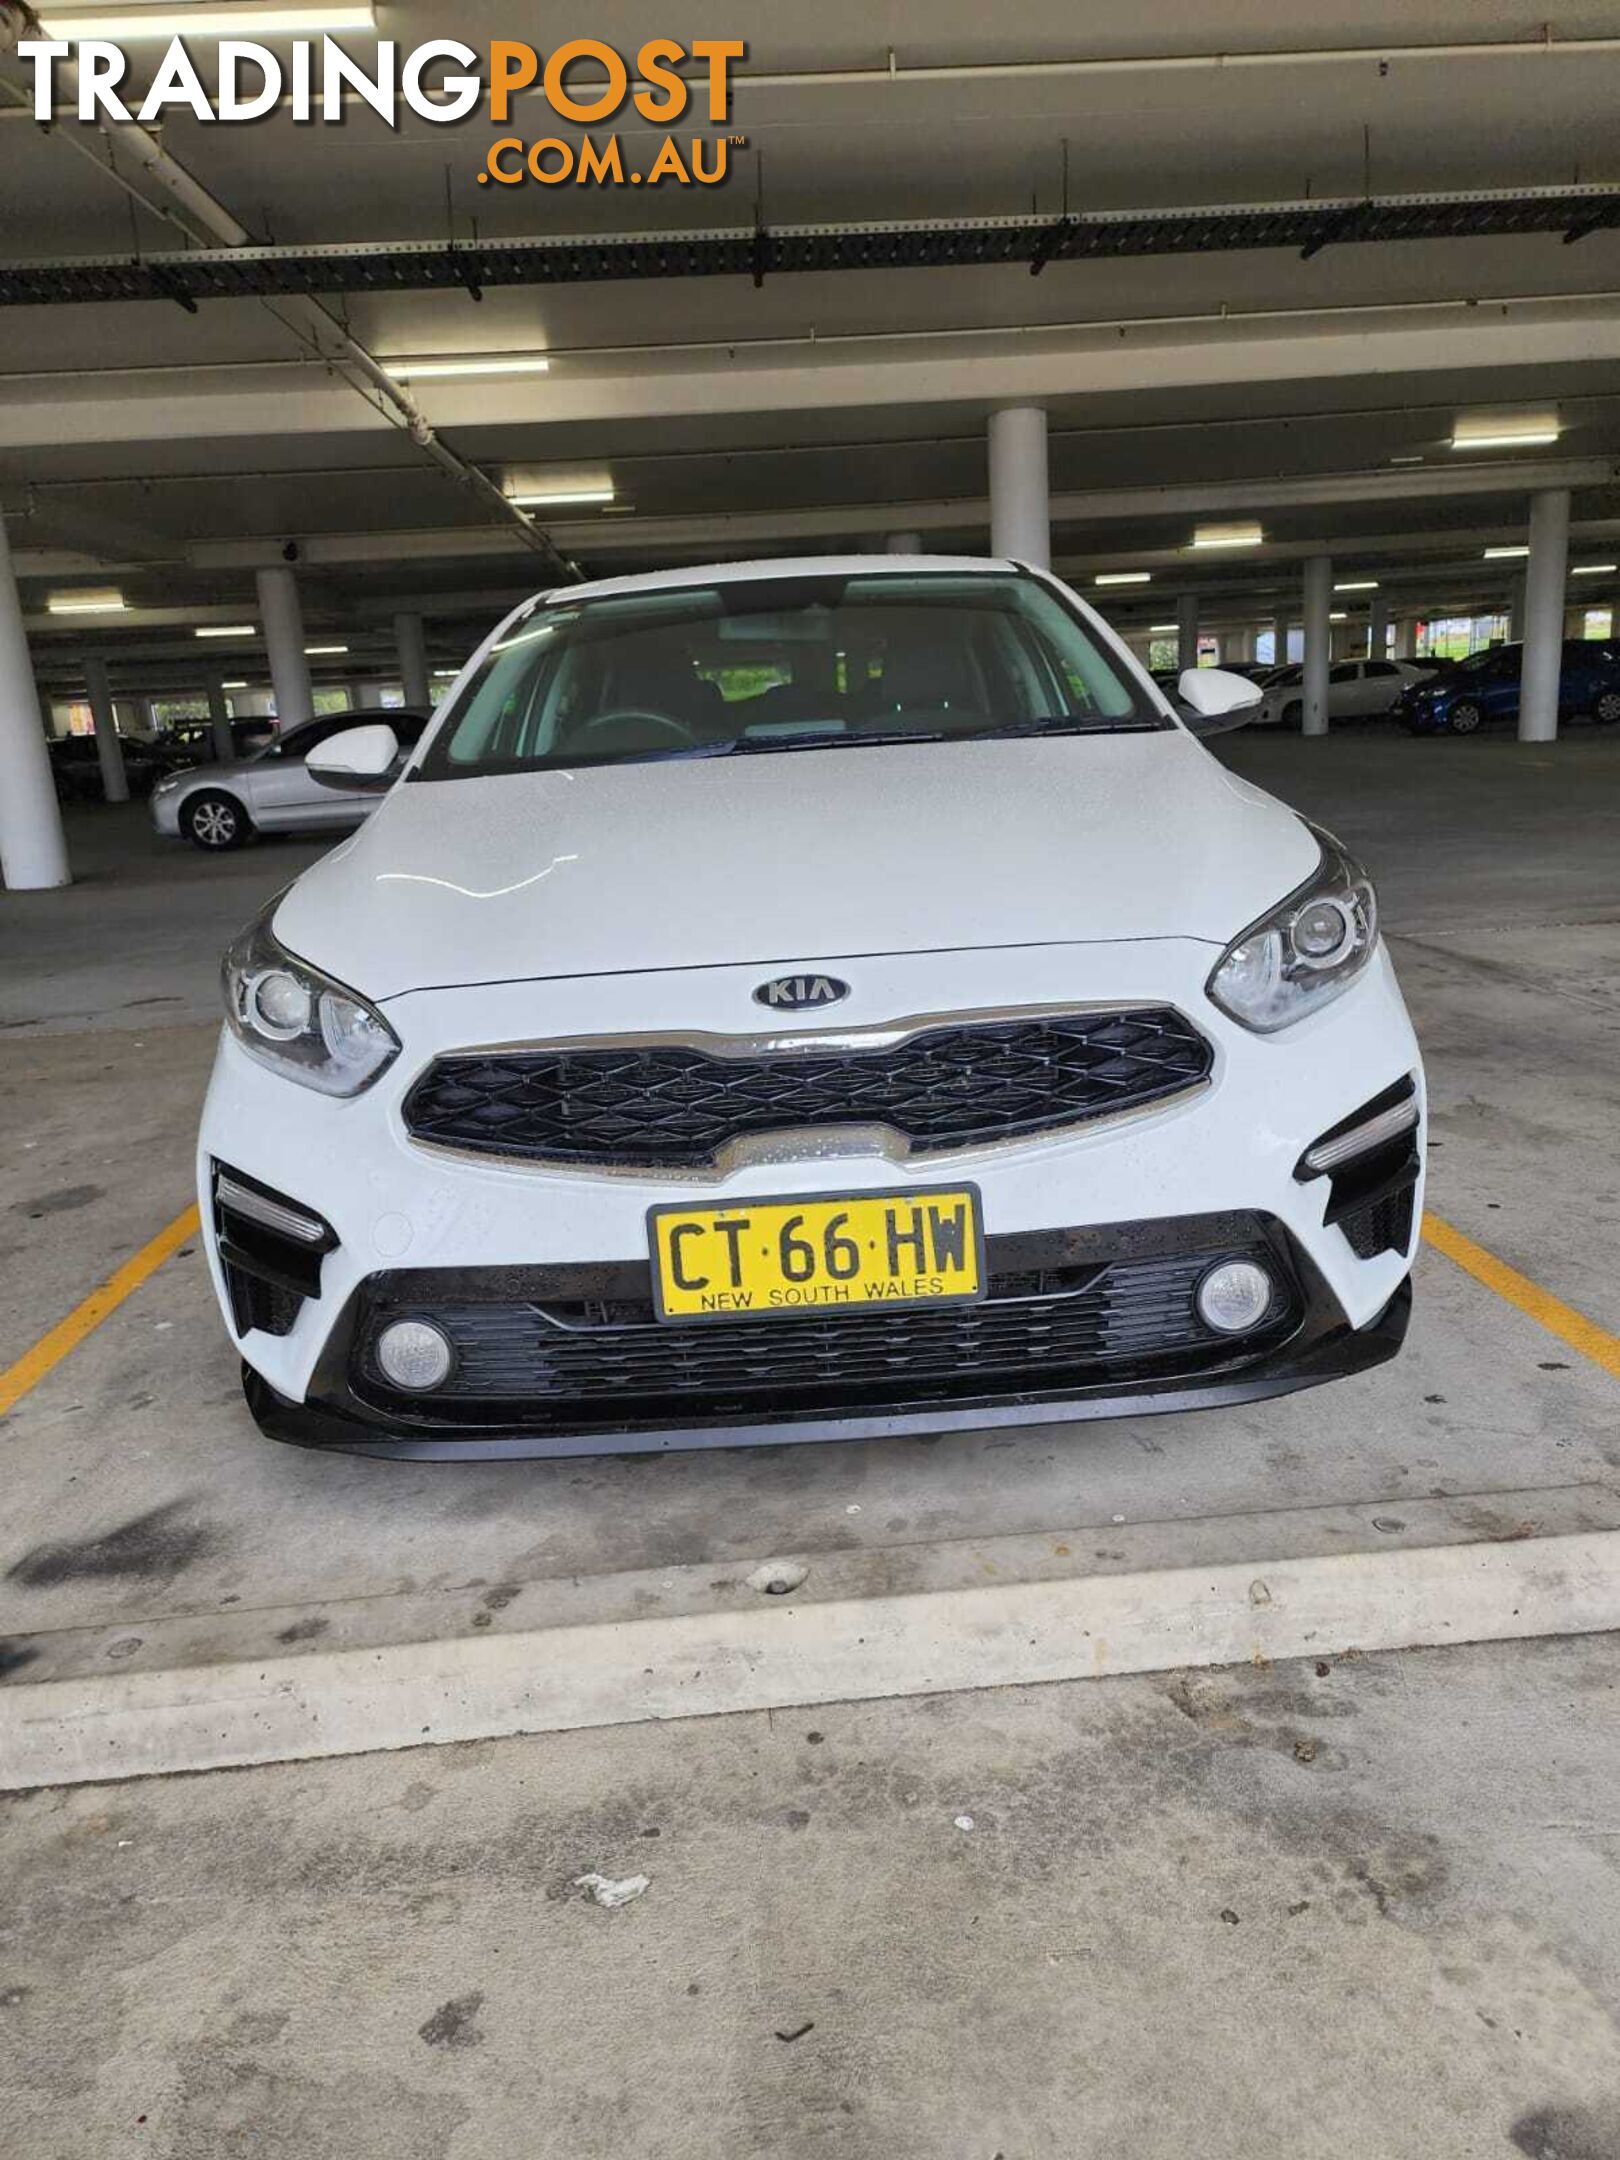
(779, 664)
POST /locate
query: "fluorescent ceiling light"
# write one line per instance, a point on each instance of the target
(233, 686)
(102, 601)
(1227, 536)
(228, 630)
(563, 495)
(1367, 584)
(1159, 629)
(255, 18)
(1505, 431)
(312, 652)
(1501, 554)
(1338, 615)
(1123, 577)
(405, 370)
(1592, 569)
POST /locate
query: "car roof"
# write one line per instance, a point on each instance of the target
(793, 566)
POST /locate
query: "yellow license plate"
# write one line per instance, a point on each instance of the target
(764, 1259)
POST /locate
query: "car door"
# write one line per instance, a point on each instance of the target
(1344, 690)
(283, 794)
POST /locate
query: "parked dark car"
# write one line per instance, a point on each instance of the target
(1485, 688)
(77, 768)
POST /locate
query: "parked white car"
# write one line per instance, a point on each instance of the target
(1357, 690)
(219, 807)
(798, 1000)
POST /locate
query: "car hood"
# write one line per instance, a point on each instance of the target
(794, 857)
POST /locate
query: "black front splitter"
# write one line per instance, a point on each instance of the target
(1330, 1356)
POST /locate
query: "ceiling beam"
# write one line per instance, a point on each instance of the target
(391, 266)
(972, 374)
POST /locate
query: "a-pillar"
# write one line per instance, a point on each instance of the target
(410, 634)
(33, 853)
(219, 720)
(1545, 576)
(109, 749)
(1187, 630)
(1318, 632)
(283, 619)
(1020, 516)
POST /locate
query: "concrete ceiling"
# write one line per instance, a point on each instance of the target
(167, 452)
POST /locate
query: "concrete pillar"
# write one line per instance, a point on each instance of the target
(1187, 630)
(1378, 627)
(33, 853)
(368, 695)
(1545, 578)
(903, 543)
(1515, 607)
(1020, 520)
(219, 720)
(410, 634)
(283, 619)
(1318, 607)
(1406, 637)
(109, 750)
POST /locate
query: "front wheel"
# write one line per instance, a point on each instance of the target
(215, 821)
(1293, 715)
(1607, 707)
(1465, 719)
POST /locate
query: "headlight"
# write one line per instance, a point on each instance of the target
(1304, 953)
(299, 1022)
(167, 786)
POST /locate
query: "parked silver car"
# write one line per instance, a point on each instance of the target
(1357, 690)
(222, 806)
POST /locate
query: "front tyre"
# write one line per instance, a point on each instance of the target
(1606, 707)
(1466, 718)
(215, 822)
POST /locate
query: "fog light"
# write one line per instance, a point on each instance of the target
(1234, 1297)
(414, 1355)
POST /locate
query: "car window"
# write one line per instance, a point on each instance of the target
(1383, 669)
(1346, 671)
(820, 661)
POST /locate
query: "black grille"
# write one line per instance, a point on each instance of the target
(674, 1105)
(1381, 1226)
(1037, 1329)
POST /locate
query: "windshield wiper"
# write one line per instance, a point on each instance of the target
(1060, 724)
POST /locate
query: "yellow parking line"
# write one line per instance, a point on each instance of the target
(1552, 1313)
(32, 1367)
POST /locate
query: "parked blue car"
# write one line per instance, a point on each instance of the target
(1485, 687)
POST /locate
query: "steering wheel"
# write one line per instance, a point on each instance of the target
(632, 717)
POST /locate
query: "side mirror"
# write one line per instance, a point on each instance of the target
(1217, 700)
(361, 760)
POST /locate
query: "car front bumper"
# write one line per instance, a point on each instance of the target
(522, 1246)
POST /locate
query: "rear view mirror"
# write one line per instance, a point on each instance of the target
(363, 759)
(1215, 699)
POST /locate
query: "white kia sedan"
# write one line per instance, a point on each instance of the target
(803, 1000)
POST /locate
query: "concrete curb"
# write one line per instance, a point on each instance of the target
(87, 1727)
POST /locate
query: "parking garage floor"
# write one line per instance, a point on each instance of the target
(1371, 1897)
